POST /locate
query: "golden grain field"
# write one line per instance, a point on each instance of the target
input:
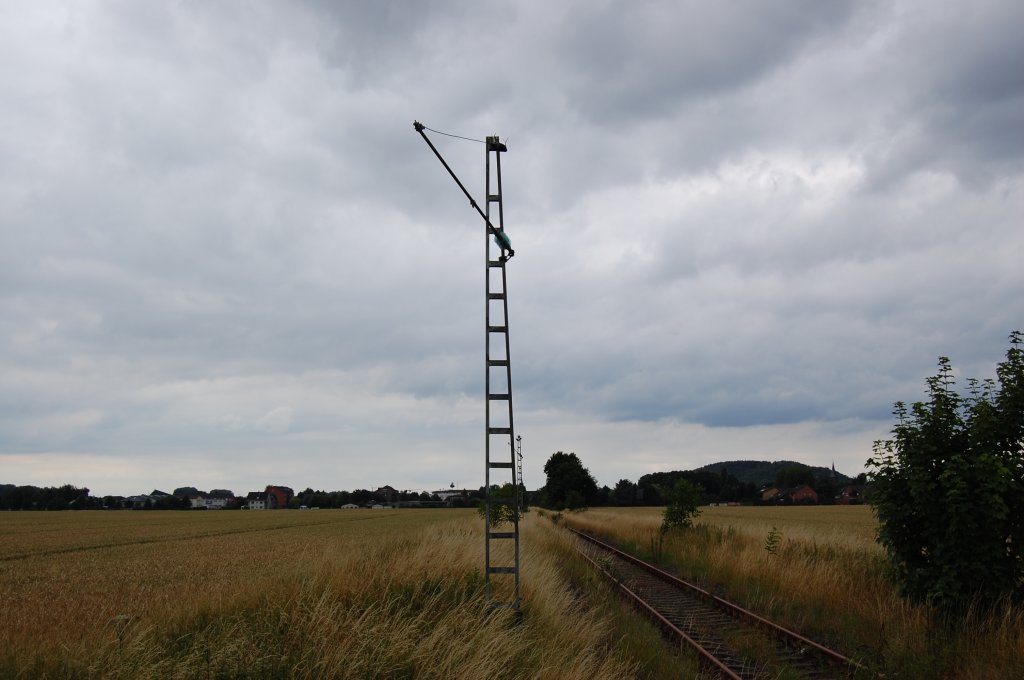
(399, 594)
(327, 593)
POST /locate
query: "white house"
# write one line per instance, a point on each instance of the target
(206, 502)
(256, 500)
(445, 494)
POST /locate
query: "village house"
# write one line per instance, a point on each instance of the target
(802, 495)
(143, 501)
(852, 494)
(277, 497)
(445, 494)
(216, 499)
(211, 503)
(139, 502)
(798, 495)
(205, 501)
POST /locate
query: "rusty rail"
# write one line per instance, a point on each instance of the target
(740, 614)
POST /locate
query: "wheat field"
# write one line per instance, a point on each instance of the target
(331, 594)
(399, 594)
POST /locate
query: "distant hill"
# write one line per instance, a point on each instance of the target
(764, 472)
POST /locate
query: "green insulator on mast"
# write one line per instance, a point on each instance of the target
(502, 240)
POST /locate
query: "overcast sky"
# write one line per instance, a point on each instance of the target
(742, 230)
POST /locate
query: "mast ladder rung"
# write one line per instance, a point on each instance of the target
(502, 570)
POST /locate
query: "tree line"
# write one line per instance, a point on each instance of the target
(71, 497)
(570, 485)
(27, 497)
(336, 499)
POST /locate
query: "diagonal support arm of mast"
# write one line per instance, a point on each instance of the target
(419, 128)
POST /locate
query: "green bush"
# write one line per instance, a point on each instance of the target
(949, 490)
(683, 499)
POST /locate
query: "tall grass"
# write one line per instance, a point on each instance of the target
(826, 579)
(346, 594)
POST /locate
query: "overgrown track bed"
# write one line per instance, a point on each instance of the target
(735, 642)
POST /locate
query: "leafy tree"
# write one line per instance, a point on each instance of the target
(569, 484)
(794, 475)
(683, 499)
(30, 497)
(624, 492)
(827, 490)
(648, 492)
(361, 496)
(574, 500)
(729, 488)
(112, 502)
(948, 489)
(171, 503)
(501, 511)
(714, 486)
(748, 492)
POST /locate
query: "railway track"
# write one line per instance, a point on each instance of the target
(735, 642)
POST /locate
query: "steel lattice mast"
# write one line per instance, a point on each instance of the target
(498, 414)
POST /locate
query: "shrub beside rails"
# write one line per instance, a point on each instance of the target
(949, 490)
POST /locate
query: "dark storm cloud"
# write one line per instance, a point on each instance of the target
(739, 230)
(666, 55)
